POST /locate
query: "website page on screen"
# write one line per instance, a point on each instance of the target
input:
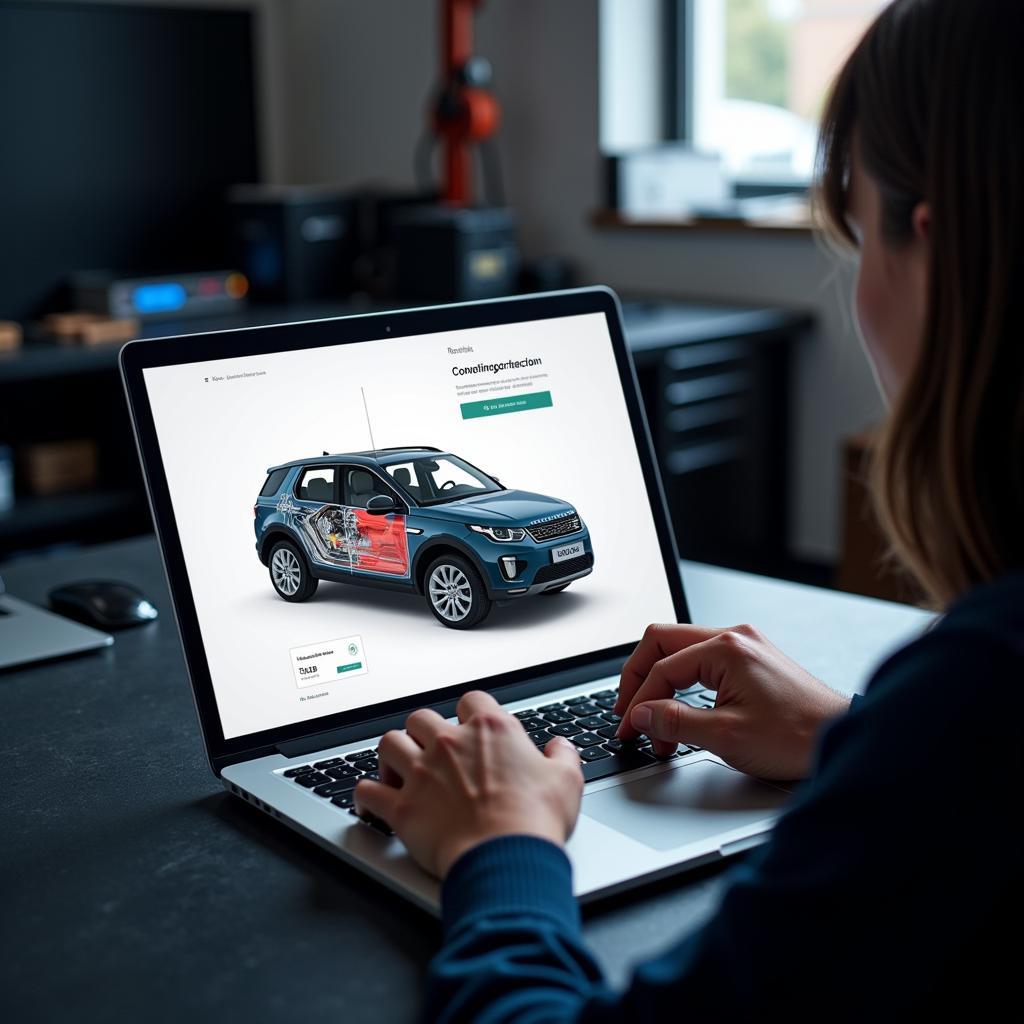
(482, 509)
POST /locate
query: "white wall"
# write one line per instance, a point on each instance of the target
(357, 75)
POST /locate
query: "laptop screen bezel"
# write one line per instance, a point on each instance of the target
(138, 356)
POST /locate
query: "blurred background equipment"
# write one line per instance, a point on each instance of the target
(458, 251)
(206, 293)
(295, 243)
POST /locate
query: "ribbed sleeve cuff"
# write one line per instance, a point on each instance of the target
(517, 874)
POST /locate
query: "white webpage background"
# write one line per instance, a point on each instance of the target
(217, 440)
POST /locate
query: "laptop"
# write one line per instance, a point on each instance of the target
(29, 634)
(366, 515)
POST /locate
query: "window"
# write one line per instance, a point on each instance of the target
(361, 485)
(442, 479)
(751, 78)
(273, 484)
(743, 79)
(317, 484)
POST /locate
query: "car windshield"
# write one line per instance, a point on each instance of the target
(436, 479)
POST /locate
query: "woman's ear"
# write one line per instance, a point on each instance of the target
(921, 218)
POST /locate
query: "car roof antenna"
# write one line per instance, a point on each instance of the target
(366, 409)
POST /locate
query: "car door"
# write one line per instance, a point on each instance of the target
(317, 513)
(377, 544)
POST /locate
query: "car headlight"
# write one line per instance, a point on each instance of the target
(500, 534)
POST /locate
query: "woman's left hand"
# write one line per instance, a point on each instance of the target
(445, 788)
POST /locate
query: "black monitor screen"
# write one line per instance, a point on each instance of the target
(121, 129)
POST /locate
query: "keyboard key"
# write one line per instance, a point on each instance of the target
(344, 800)
(374, 776)
(342, 771)
(528, 713)
(300, 770)
(366, 764)
(550, 707)
(575, 700)
(334, 788)
(614, 745)
(586, 739)
(564, 729)
(584, 710)
(591, 722)
(556, 716)
(589, 754)
(311, 779)
(540, 737)
(625, 761)
(606, 702)
(611, 718)
(604, 695)
(329, 763)
(608, 732)
(532, 724)
(356, 755)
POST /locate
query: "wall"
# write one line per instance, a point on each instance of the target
(356, 78)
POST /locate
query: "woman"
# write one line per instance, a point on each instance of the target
(892, 885)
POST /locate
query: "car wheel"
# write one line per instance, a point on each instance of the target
(456, 593)
(555, 590)
(289, 573)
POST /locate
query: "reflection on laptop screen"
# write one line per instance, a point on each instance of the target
(482, 510)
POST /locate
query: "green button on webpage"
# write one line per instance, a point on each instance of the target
(351, 667)
(509, 403)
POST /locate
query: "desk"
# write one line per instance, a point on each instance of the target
(136, 888)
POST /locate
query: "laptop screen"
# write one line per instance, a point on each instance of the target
(366, 522)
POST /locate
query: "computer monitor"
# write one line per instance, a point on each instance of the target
(122, 128)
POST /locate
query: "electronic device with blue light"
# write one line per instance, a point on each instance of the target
(158, 297)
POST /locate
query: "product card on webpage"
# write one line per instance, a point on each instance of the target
(316, 664)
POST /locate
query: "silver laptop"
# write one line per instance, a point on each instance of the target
(365, 515)
(29, 634)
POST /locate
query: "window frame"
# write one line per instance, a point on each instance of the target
(678, 101)
(309, 468)
(391, 489)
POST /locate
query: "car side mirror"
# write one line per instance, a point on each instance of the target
(381, 505)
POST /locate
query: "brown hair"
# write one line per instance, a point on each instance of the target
(931, 100)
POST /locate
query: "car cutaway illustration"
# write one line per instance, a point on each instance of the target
(418, 520)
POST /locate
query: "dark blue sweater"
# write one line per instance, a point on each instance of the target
(890, 887)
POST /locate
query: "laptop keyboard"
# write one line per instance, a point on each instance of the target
(587, 721)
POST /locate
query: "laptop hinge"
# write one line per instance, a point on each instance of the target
(506, 694)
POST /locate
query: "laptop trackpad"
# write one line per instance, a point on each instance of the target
(691, 802)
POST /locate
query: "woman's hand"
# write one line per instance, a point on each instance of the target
(445, 788)
(768, 712)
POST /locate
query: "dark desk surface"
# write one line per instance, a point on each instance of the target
(135, 888)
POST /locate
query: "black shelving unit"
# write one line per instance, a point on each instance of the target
(714, 380)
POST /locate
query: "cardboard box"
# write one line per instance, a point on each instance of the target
(10, 335)
(59, 467)
(866, 566)
(90, 328)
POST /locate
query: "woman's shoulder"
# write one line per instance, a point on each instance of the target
(974, 651)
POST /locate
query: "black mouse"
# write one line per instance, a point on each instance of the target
(106, 604)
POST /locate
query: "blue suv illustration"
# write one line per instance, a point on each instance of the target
(419, 521)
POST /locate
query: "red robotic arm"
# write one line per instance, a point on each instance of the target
(466, 113)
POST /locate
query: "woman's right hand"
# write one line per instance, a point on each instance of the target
(768, 712)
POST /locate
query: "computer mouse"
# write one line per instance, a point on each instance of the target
(106, 604)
